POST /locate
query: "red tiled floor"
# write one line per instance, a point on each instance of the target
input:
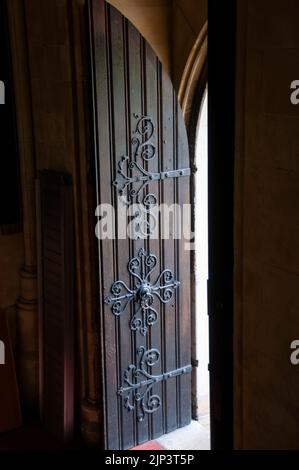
(150, 445)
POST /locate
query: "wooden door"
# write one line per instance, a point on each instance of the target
(144, 281)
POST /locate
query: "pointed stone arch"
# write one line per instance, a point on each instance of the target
(195, 73)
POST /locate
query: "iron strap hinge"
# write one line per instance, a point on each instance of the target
(137, 391)
(122, 181)
(155, 379)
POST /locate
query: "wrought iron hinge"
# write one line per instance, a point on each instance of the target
(123, 180)
(138, 383)
(132, 176)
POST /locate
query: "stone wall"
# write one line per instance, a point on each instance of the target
(267, 225)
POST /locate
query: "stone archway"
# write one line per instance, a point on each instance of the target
(194, 73)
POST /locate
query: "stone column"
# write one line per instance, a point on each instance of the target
(27, 308)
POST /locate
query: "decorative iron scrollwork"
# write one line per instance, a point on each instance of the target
(143, 150)
(138, 383)
(143, 292)
(131, 182)
(132, 175)
(143, 177)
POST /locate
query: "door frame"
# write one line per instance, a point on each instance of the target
(221, 135)
(219, 74)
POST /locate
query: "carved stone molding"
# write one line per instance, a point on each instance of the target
(88, 367)
(193, 72)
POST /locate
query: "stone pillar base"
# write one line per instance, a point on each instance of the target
(91, 424)
(27, 341)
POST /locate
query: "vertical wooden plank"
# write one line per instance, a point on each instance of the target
(168, 254)
(103, 134)
(67, 242)
(184, 262)
(137, 110)
(119, 80)
(56, 273)
(152, 110)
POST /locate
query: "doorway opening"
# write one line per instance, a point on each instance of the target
(196, 436)
(202, 267)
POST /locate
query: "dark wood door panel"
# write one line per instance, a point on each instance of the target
(138, 128)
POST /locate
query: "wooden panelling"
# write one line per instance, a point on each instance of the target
(56, 292)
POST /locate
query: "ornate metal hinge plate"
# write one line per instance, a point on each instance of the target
(123, 181)
(138, 383)
(144, 291)
(132, 176)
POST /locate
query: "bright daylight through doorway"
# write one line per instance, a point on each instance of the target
(197, 434)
